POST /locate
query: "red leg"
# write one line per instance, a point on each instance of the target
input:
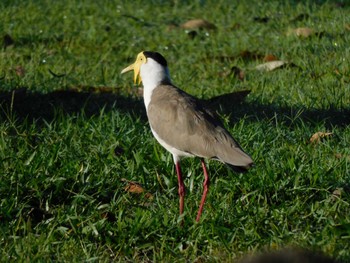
(181, 186)
(205, 190)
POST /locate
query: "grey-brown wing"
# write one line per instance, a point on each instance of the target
(179, 120)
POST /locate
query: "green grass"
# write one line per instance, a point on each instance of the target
(75, 128)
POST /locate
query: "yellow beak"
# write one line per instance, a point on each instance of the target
(136, 68)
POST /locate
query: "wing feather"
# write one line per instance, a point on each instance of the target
(181, 121)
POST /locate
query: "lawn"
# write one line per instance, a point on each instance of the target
(74, 136)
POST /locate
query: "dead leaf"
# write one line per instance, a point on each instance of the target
(316, 138)
(270, 57)
(272, 65)
(338, 155)
(198, 24)
(136, 188)
(20, 71)
(301, 32)
(149, 196)
(342, 156)
(347, 27)
(133, 187)
(337, 194)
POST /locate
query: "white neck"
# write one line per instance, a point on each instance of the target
(152, 74)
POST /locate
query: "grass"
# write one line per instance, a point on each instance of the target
(75, 128)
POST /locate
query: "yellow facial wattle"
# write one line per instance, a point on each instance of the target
(141, 59)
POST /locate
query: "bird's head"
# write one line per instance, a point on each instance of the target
(152, 63)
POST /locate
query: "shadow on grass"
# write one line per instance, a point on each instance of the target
(290, 116)
(23, 104)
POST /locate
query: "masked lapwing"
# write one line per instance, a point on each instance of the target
(180, 123)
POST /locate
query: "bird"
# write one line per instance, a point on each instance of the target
(182, 125)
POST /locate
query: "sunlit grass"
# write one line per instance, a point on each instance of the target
(67, 142)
